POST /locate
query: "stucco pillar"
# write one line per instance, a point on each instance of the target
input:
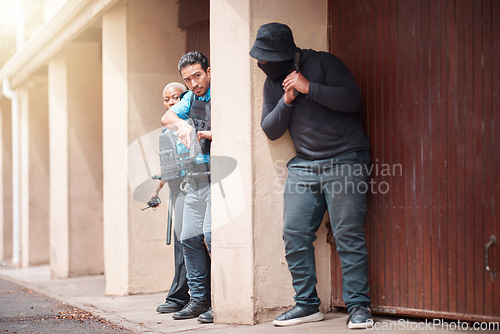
(2, 218)
(75, 123)
(23, 98)
(34, 176)
(141, 48)
(251, 282)
(5, 181)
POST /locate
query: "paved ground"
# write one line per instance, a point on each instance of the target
(84, 297)
(24, 311)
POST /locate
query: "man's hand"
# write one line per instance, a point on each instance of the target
(185, 134)
(183, 131)
(153, 195)
(289, 96)
(294, 80)
(204, 135)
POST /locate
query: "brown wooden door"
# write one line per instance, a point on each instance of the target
(429, 73)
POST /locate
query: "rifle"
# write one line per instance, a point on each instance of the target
(176, 164)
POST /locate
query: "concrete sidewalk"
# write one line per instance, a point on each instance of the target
(137, 313)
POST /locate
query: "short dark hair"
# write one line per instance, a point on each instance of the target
(193, 57)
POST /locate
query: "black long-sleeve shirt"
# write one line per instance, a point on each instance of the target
(324, 123)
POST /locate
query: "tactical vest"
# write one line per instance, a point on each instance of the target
(176, 161)
(200, 113)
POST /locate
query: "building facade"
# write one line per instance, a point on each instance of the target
(80, 115)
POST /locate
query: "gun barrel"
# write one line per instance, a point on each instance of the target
(296, 62)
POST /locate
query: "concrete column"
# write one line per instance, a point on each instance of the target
(58, 145)
(34, 178)
(2, 220)
(141, 48)
(5, 181)
(251, 281)
(75, 104)
(24, 211)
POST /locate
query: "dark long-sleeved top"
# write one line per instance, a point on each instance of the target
(324, 123)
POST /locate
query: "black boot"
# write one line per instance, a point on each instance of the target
(192, 310)
(170, 307)
(207, 317)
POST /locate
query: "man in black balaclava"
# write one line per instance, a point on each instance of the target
(319, 105)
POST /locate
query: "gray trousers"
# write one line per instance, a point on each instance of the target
(196, 239)
(339, 185)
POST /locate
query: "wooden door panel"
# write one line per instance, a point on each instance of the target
(426, 72)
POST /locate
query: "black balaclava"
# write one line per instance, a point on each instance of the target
(276, 70)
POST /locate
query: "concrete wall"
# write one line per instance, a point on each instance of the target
(141, 48)
(34, 176)
(234, 277)
(85, 158)
(308, 21)
(248, 249)
(58, 143)
(24, 148)
(39, 171)
(2, 220)
(76, 223)
(6, 181)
